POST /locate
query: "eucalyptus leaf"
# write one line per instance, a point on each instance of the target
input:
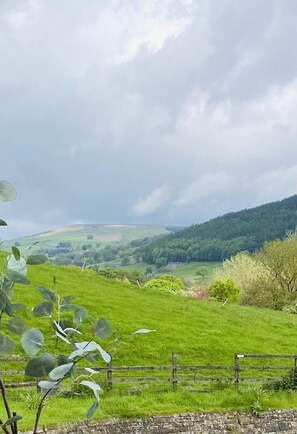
(63, 338)
(17, 325)
(19, 265)
(7, 191)
(44, 308)
(5, 303)
(94, 407)
(101, 328)
(6, 345)
(18, 306)
(16, 277)
(47, 386)
(16, 253)
(143, 331)
(105, 356)
(32, 341)
(60, 371)
(71, 331)
(36, 259)
(40, 366)
(47, 294)
(80, 315)
(94, 386)
(92, 371)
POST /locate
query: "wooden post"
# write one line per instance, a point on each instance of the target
(295, 362)
(109, 374)
(174, 371)
(236, 371)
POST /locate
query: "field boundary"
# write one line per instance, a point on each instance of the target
(174, 373)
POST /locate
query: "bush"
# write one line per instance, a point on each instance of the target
(166, 282)
(224, 291)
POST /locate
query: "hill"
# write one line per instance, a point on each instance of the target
(226, 235)
(201, 332)
(91, 244)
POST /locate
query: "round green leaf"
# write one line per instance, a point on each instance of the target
(94, 386)
(7, 191)
(32, 341)
(61, 371)
(19, 265)
(36, 259)
(40, 366)
(2, 223)
(47, 294)
(16, 325)
(101, 328)
(44, 308)
(15, 277)
(80, 315)
(6, 345)
(48, 387)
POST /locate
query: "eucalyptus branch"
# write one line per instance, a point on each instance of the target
(39, 410)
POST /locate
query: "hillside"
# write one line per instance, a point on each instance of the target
(91, 244)
(201, 332)
(226, 235)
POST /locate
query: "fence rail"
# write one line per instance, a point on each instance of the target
(175, 373)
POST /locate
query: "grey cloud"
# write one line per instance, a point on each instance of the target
(102, 104)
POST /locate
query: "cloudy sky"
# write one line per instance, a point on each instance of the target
(145, 111)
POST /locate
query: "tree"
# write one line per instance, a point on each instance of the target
(202, 271)
(224, 291)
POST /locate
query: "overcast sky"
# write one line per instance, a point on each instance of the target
(145, 111)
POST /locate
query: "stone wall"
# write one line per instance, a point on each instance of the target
(270, 422)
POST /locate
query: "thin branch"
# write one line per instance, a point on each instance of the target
(2, 387)
(39, 410)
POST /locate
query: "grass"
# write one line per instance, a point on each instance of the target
(201, 332)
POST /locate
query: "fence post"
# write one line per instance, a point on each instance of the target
(109, 373)
(174, 371)
(236, 370)
(295, 362)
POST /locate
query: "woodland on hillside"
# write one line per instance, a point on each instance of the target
(224, 236)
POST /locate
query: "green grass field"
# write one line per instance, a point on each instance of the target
(201, 332)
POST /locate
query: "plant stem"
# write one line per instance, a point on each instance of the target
(2, 387)
(39, 410)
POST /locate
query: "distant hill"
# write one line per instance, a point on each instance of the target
(102, 245)
(226, 235)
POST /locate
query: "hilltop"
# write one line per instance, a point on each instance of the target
(226, 235)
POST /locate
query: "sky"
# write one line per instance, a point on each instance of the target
(145, 111)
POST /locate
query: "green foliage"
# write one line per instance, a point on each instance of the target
(288, 382)
(224, 291)
(166, 283)
(267, 278)
(225, 236)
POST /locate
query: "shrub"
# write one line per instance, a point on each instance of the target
(224, 291)
(167, 283)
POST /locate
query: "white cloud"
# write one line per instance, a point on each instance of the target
(152, 202)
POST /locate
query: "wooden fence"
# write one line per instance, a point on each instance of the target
(175, 373)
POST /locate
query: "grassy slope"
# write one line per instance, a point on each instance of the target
(200, 332)
(104, 234)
